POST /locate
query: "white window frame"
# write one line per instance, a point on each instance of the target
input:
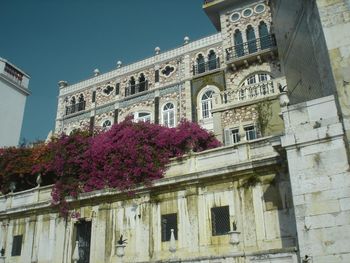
(138, 118)
(206, 105)
(248, 134)
(256, 78)
(232, 136)
(166, 115)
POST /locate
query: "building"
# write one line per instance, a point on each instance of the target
(262, 180)
(14, 91)
(314, 44)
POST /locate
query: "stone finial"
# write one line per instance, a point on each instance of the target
(119, 64)
(172, 243)
(186, 40)
(96, 72)
(75, 256)
(62, 83)
(157, 50)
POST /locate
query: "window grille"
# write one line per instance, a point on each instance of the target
(220, 220)
(169, 222)
(17, 245)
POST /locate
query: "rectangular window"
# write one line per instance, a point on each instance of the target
(232, 136)
(220, 220)
(169, 222)
(250, 133)
(117, 87)
(235, 135)
(156, 76)
(17, 245)
(93, 96)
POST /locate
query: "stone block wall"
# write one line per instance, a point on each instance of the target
(320, 179)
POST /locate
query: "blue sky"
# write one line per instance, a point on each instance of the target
(54, 40)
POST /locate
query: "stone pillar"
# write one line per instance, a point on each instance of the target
(320, 179)
(28, 245)
(98, 235)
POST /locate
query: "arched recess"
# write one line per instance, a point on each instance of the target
(212, 60)
(132, 86)
(81, 104)
(238, 43)
(251, 38)
(265, 41)
(142, 83)
(168, 115)
(200, 64)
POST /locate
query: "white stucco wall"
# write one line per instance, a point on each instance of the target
(13, 93)
(12, 104)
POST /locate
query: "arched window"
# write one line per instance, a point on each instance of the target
(200, 64)
(212, 61)
(238, 43)
(72, 101)
(81, 104)
(265, 41)
(142, 83)
(256, 85)
(168, 115)
(206, 103)
(132, 85)
(251, 39)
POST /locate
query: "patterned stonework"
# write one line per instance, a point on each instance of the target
(238, 116)
(176, 79)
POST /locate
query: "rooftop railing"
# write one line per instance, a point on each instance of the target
(13, 74)
(80, 106)
(250, 47)
(210, 65)
(136, 88)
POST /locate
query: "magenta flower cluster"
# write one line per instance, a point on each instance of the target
(126, 156)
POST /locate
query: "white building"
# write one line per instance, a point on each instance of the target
(13, 94)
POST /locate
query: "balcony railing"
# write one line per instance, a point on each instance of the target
(136, 88)
(251, 92)
(75, 108)
(250, 47)
(210, 65)
(13, 73)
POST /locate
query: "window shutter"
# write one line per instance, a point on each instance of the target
(228, 137)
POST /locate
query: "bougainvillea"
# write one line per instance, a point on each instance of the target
(16, 167)
(127, 155)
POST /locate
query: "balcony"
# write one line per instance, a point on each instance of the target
(136, 88)
(75, 108)
(251, 92)
(244, 53)
(206, 66)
